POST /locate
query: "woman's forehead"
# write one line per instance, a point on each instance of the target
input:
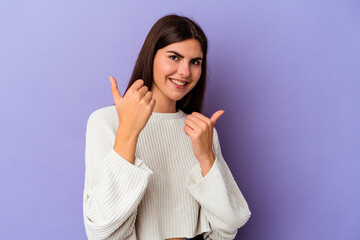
(188, 48)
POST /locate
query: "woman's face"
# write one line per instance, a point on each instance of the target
(175, 64)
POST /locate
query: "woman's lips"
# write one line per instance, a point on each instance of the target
(179, 80)
(179, 86)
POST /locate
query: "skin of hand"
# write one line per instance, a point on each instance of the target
(200, 130)
(135, 108)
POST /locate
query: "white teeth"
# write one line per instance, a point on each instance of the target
(177, 82)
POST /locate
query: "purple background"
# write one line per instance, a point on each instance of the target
(286, 73)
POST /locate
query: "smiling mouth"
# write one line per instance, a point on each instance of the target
(179, 83)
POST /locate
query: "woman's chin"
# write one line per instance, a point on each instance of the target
(180, 97)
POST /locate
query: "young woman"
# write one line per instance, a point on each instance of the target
(154, 168)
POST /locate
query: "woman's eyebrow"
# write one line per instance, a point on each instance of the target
(181, 56)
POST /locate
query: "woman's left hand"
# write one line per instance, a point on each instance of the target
(200, 130)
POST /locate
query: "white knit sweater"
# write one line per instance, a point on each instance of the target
(163, 194)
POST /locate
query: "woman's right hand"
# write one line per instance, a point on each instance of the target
(135, 108)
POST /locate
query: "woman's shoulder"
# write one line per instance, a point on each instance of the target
(105, 115)
(104, 112)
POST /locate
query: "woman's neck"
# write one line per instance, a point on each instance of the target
(165, 108)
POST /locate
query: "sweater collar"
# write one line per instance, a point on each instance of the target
(177, 114)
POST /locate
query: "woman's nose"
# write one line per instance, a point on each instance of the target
(184, 69)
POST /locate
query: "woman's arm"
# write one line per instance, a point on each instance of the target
(221, 200)
(114, 186)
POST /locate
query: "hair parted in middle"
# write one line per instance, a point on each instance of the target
(167, 30)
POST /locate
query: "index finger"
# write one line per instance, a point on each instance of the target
(136, 85)
(201, 116)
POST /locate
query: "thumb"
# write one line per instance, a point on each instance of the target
(114, 88)
(214, 118)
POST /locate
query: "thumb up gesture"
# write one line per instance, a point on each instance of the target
(200, 130)
(135, 108)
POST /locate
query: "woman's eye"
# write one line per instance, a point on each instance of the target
(196, 62)
(173, 57)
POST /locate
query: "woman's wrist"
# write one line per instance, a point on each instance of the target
(125, 144)
(206, 164)
(126, 133)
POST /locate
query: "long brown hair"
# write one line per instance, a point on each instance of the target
(167, 30)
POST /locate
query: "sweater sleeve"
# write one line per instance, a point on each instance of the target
(220, 198)
(113, 186)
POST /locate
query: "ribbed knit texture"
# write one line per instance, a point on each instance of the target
(163, 194)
